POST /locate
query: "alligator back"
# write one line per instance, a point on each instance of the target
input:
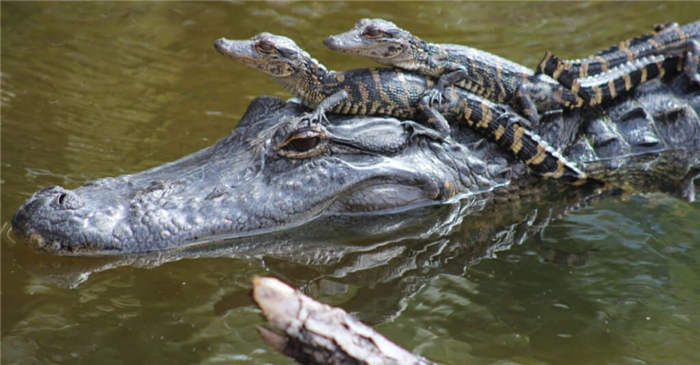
(649, 139)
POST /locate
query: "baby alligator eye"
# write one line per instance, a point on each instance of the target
(264, 47)
(372, 32)
(304, 144)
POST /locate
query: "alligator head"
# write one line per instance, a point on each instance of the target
(275, 170)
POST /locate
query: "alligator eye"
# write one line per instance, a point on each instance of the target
(304, 144)
(372, 32)
(264, 47)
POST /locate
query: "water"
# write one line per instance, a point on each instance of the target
(102, 89)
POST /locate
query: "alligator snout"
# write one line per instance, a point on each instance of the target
(220, 45)
(229, 48)
(22, 220)
(37, 211)
(330, 41)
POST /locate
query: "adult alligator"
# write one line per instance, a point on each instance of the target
(255, 180)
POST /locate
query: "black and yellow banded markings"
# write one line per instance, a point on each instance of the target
(608, 85)
(670, 40)
(379, 86)
(376, 92)
(539, 157)
(517, 143)
(508, 131)
(634, 42)
(621, 80)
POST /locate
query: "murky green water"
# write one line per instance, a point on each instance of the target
(102, 89)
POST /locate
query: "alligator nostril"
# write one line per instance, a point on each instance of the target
(67, 200)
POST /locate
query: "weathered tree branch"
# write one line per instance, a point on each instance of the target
(316, 333)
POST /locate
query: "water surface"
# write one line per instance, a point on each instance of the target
(101, 89)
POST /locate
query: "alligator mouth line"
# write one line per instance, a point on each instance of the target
(426, 202)
(247, 60)
(321, 212)
(221, 48)
(359, 49)
(60, 248)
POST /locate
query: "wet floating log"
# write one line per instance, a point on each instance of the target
(316, 333)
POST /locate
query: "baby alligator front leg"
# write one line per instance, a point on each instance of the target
(451, 74)
(530, 96)
(327, 105)
(524, 103)
(434, 118)
(692, 54)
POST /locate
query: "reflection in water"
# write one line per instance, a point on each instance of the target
(102, 89)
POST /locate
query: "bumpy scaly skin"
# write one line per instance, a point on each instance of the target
(265, 176)
(480, 72)
(670, 40)
(393, 93)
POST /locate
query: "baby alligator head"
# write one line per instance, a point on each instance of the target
(276, 56)
(379, 40)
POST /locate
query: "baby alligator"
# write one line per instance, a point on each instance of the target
(668, 40)
(486, 74)
(393, 93)
(480, 72)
